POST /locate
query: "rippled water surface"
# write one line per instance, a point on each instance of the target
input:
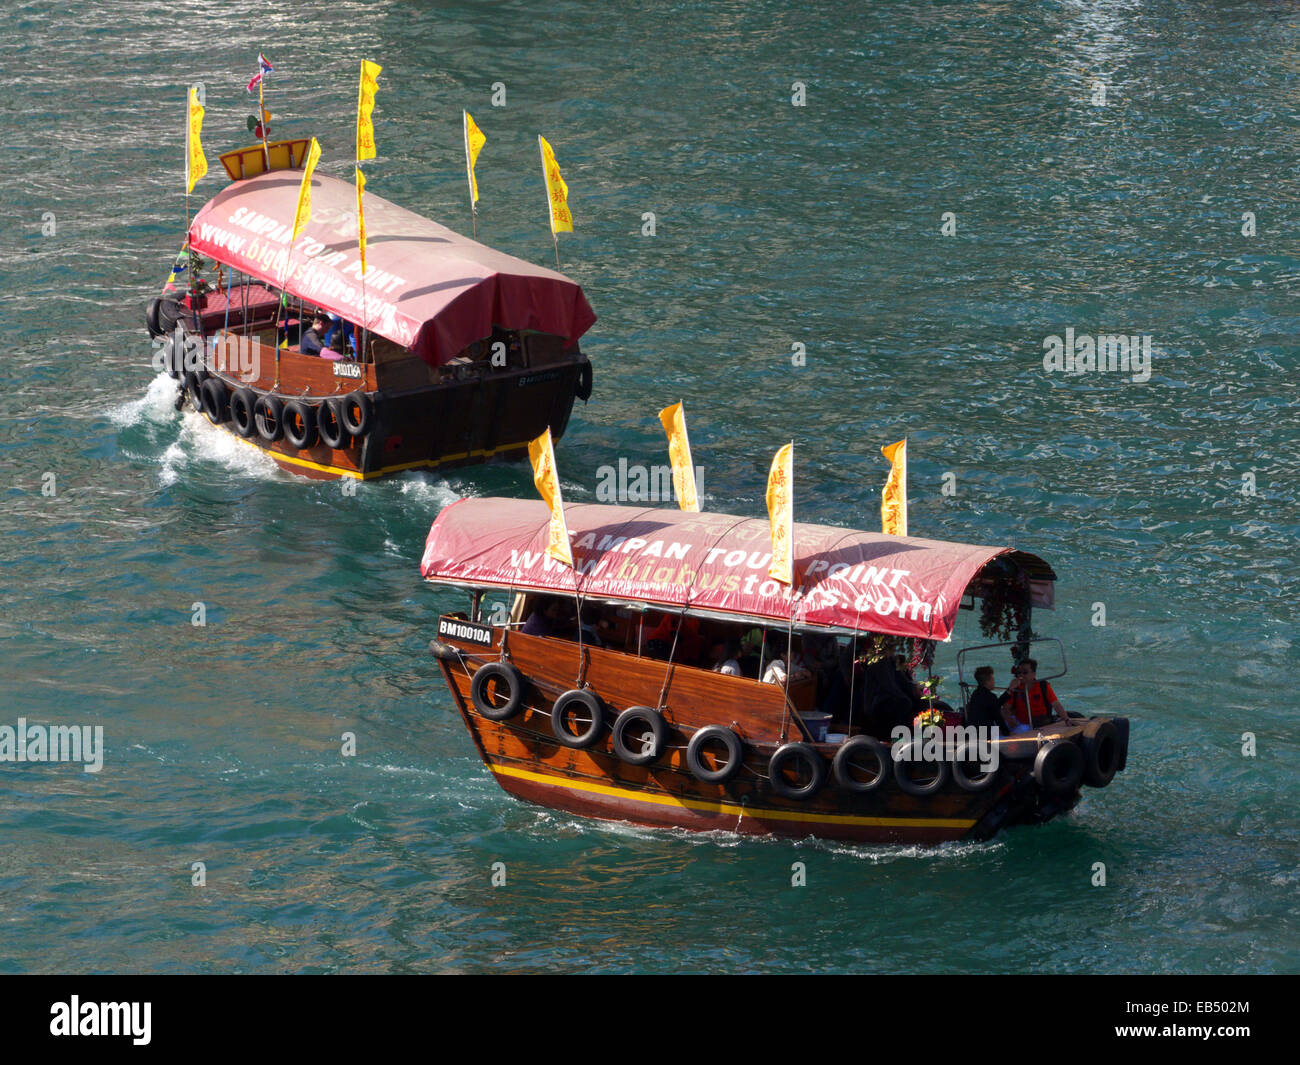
(776, 225)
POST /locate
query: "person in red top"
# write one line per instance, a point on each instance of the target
(659, 640)
(1041, 699)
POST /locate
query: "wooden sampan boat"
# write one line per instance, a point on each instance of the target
(461, 353)
(642, 733)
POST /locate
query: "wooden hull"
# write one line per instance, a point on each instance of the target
(417, 420)
(530, 763)
(422, 417)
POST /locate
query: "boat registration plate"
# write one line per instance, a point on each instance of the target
(465, 631)
(347, 369)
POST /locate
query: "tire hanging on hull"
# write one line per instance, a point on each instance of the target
(498, 675)
(695, 754)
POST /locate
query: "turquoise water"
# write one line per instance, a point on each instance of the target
(776, 225)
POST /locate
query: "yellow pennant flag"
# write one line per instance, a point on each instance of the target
(679, 451)
(366, 104)
(302, 214)
(195, 164)
(780, 510)
(893, 501)
(474, 141)
(542, 455)
(557, 192)
(361, 219)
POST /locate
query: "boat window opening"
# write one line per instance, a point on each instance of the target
(544, 349)
(841, 684)
(494, 608)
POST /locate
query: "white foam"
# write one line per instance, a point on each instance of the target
(157, 405)
(875, 853)
(426, 490)
(201, 441)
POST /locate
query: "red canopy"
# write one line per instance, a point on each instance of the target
(717, 563)
(427, 288)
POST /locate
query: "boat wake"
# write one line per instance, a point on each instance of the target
(156, 406)
(430, 492)
(196, 440)
(875, 853)
(202, 442)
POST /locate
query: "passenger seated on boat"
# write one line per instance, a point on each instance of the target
(984, 709)
(314, 339)
(777, 671)
(886, 702)
(593, 626)
(833, 696)
(335, 323)
(658, 642)
(750, 644)
(545, 620)
(1041, 699)
(723, 653)
(821, 656)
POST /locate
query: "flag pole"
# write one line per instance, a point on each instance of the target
(261, 113)
(361, 341)
(189, 252)
(187, 169)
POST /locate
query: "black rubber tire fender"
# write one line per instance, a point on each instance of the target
(174, 354)
(505, 676)
(1058, 767)
(652, 748)
(167, 342)
(216, 400)
(242, 402)
(299, 423)
(695, 752)
(979, 781)
(194, 388)
(329, 423)
(268, 417)
(801, 753)
(151, 317)
(920, 789)
(356, 409)
(582, 389)
(586, 701)
(841, 765)
(1121, 729)
(169, 313)
(1100, 752)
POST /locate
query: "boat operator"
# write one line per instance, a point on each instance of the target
(1032, 700)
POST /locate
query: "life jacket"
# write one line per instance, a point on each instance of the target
(1039, 702)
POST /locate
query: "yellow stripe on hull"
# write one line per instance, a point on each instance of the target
(278, 456)
(731, 809)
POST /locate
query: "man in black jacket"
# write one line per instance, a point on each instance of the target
(985, 708)
(313, 340)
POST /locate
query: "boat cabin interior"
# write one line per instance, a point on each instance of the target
(238, 309)
(843, 680)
